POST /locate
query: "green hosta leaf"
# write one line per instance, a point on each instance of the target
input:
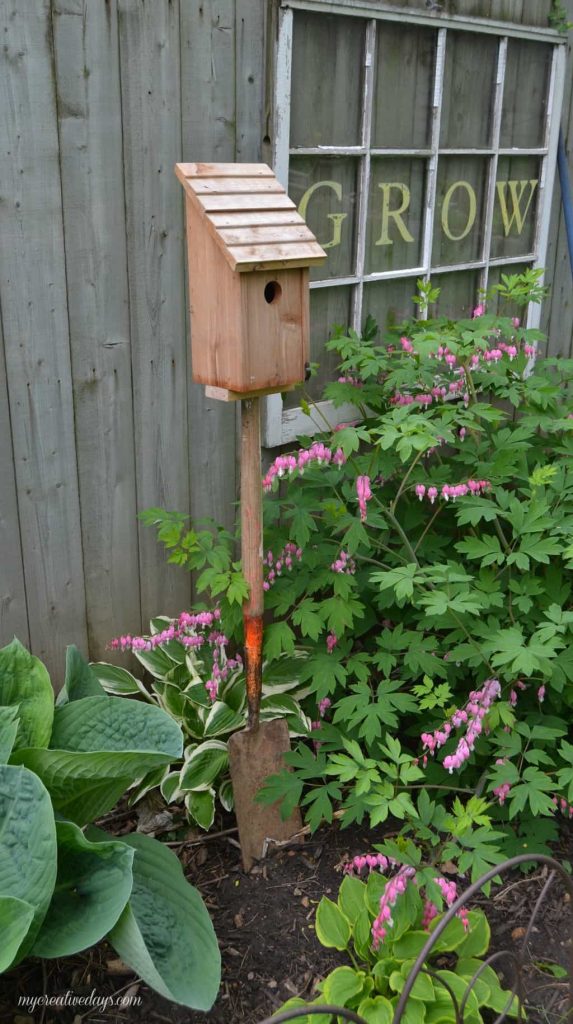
(374, 890)
(351, 897)
(81, 680)
(410, 944)
(200, 807)
(117, 681)
(157, 662)
(165, 932)
(169, 787)
(16, 916)
(476, 942)
(422, 989)
(341, 985)
(205, 763)
(93, 886)
(415, 1012)
(226, 795)
(459, 988)
(332, 927)
(297, 1004)
(106, 744)
(113, 724)
(376, 1010)
(8, 732)
(222, 719)
(25, 684)
(28, 853)
(452, 936)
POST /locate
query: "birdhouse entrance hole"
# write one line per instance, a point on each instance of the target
(272, 292)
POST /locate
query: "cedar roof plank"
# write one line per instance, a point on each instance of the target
(203, 170)
(228, 186)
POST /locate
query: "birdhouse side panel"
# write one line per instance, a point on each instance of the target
(276, 325)
(218, 353)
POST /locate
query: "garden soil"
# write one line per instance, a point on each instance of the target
(265, 925)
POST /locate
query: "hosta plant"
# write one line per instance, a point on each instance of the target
(382, 923)
(64, 884)
(202, 687)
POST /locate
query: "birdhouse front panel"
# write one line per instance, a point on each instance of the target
(249, 252)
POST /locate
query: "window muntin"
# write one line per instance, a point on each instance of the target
(449, 154)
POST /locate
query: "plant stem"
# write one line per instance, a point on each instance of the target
(405, 480)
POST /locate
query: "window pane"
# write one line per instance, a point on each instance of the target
(469, 77)
(328, 307)
(459, 293)
(515, 207)
(460, 209)
(525, 94)
(498, 305)
(324, 189)
(326, 89)
(389, 302)
(405, 60)
(395, 208)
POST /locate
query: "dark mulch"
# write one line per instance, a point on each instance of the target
(264, 922)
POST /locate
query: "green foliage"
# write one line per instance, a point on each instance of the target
(178, 675)
(372, 982)
(61, 890)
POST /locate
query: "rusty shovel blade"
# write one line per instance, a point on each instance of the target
(253, 755)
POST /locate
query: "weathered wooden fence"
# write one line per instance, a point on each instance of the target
(98, 416)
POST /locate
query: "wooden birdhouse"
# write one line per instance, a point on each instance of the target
(249, 251)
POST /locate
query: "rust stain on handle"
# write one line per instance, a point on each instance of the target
(253, 666)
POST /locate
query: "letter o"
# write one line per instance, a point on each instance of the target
(471, 213)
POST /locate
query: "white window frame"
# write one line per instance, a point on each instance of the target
(282, 426)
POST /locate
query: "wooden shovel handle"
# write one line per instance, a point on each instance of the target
(252, 552)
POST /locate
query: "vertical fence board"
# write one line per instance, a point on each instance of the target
(557, 318)
(34, 308)
(89, 109)
(249, 71)
(151, 107)
(13, 612)
(208, 104)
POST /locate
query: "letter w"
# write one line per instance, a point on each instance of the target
(516, 191)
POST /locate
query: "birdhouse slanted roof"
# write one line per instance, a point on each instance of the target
(250, 216)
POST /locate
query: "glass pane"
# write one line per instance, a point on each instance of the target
(395, 209)
(389, 302)
(460, 209)
(326, 91)
(405, 60)
(459, 293)
(525, 94)
(515, 208)
(469, 77)
(324, 189)
(328, 307)
(498, 305)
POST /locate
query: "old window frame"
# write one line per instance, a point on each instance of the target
(281, 426)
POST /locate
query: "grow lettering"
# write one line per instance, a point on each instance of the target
(513, 197)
